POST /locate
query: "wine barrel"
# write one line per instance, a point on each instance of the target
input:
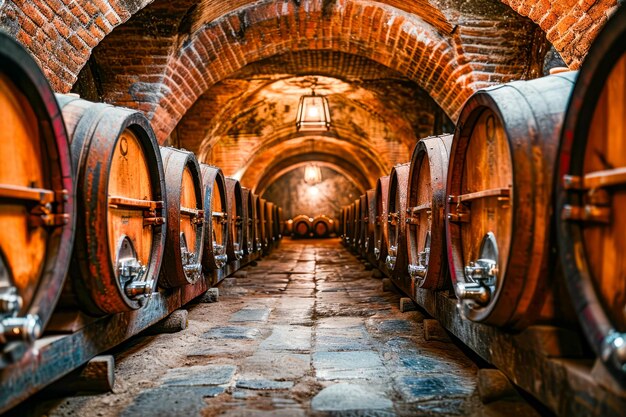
(277, 224)
(182, 262)
(302, 226)
(591, 195)
(248, 231)
(426, 200)
(396, 260)
(215, 219)
(261, 208)
(269, 225)
(322, 226)
(348, 225)
(356, 225)
(234, 247)
(281, 223)
(256, 201)
(499, 190)
(381, 236)
(363, 219)
(120, 194)
(37, 210)
(368, 248)
(289, 227)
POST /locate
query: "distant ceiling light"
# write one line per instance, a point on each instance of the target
(313, 113)
(312, 174)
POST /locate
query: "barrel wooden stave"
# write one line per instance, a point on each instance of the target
(499, 182)
(248, 209)
(592, 151)
(425, 232)
(182, 262)
(368, 248)
(363, 219)
(216, 231)
(322, 226)
(381, 235)
(234, 248)
(36, 240)
(356, 224)
(258, 246)
(124, 208)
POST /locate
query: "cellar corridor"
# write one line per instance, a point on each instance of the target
(305, 331)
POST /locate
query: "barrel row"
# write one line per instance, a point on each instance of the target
(318, 227)
(87, 193)
(477, 211)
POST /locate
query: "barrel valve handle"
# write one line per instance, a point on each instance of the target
(391, 257)
(131, 272)
(481, 275)
(614, 349)
(219, 254)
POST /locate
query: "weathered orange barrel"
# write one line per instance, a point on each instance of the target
(289, 227)
(302, 226)
(248, 231)
(269, 225)
(278, 226)
(591, 195)
(121, 206)
(37, 211)
(182, 263)
(499, 188)
(426, 200)
(381, 236)
(369, 223)
(347, 235)
(363, 219)
(234, 247)
(281, 223)
(396, 260)
(356, 224)
(215, 218)
(256, 201)
(322, 226)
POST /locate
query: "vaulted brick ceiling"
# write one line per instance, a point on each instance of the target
(218, 77)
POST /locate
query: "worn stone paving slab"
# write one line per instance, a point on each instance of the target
(348, 365)
(415, 388)
(291, 338)
(233, 332)
(263, 384)
(251, 314)
(200, 375)
(171, 401)
(346, 396)
(276, 365)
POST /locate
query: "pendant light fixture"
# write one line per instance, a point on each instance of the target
(313, 113)
(312, 174)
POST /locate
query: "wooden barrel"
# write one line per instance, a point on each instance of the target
(499, 193)
(289, 227)
(396, 260)
(215, 218)
(356, 224)
(258, 246)
(182, 262)
(281, 223)
(591, 195)
(37, 211)
(426, 200)
(120, 194)
(348, 225)
(234, 247)
(322, 226)
(363, 219)
(368, 247)
(278, 226)
(269, 225)
(261, 210)
(381, 236)
(302, 226)
(248, 231)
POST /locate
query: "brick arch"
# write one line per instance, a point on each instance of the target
(571, 26)
(399, 41)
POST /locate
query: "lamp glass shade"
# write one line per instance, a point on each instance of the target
(313, 113)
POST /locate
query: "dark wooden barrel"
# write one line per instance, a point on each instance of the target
(368, 247)
(381, 236)
(261, 210)
(356, 225)
(278, 226)
(347, 238)
(182, 262)
(258, 246)
(281, 223)
(363, 219)
(396, 260)
(37, 211)
(269, 225)
(499, 199)
(426, 201)
(302, 226)
(248, 232)
(591, 195)
(322, 226)
(234, 247)
(215, 218)
(120, 194)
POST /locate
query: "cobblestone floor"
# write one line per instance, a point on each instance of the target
(307, 331)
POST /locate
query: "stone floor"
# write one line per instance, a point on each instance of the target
(307, 331)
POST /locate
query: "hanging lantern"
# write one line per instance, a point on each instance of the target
(312, 174)
(313, 113)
